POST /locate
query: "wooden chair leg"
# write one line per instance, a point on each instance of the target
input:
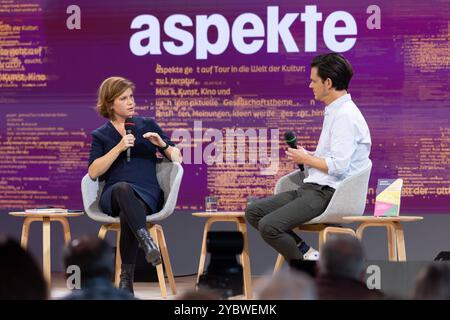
(118, 268)
(360, 231)
(248, 292)
(102, 232)
(159, 267)
(166, 258)
(337, 230)
(322, 239)
(324, 232)
(279, 263)
(201, 264)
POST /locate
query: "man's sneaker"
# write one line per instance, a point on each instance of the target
(311, 255)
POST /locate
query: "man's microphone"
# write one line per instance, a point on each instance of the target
(129, 128)
(291, 140)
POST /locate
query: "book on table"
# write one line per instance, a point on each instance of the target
(387, 202)
(46, 210)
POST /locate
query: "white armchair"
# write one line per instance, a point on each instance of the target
(349, 199)
(169, 175)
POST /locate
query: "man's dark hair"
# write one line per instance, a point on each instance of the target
(433, 282)
(92, 255)
(342, 256)
(335, 67)
(20, 275)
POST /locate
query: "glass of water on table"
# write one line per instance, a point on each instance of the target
(211, 204)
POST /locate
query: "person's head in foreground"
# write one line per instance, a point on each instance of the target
(20, 276)
(341, 271)
(93, 258)
(433, 282)
(201, 294)
(92, 255)
(286, 285)
(342, 256)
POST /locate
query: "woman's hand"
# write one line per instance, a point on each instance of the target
(154, 138)
(102, 164)
(126, 142)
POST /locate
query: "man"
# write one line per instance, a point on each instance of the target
(343, 150)
(21, 278)
(341, 271)
(433, 282)
(286, 285)
(95, 259)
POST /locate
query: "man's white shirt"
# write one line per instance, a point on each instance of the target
(344, 143)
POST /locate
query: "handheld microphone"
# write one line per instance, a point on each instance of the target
(129, 128)
(291, 140)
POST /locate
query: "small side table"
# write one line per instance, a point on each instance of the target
(395, 234)
(239, 219)
(46, 218)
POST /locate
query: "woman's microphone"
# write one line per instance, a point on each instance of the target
(129, 128)
(291, 140)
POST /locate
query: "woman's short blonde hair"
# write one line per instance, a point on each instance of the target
(109, 90)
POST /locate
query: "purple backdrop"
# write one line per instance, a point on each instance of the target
(48, 91)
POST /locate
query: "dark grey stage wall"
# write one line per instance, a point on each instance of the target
(184, 233)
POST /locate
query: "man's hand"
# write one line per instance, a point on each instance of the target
(298, 156)
(301, 156)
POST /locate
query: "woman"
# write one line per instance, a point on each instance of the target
(131, 189)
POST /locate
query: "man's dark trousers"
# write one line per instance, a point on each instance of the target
(276, 216)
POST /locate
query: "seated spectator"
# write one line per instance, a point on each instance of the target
(341, 271)
(20, 276)
(95, 259)
(433, 282)
(201, 294)
(286, 285)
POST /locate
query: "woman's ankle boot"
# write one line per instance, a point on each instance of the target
(152, 254)
(127, 278)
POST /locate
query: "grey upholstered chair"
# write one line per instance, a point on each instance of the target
(169, 176)
(349, 199)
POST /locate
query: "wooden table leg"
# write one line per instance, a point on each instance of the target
(201, 264)
(66, 228)
(46, 254)
(392, 246)
(245, 260)
(26, 231)
(401, 250)
(396, 238)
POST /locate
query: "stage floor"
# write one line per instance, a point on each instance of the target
(142, 290)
